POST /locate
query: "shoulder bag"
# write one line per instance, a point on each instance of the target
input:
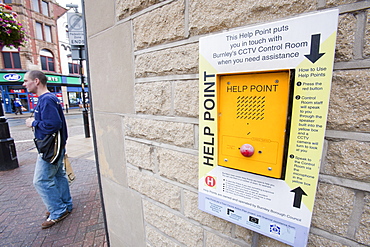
(50, 147)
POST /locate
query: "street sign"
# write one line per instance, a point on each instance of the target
(263, 101)
(76, 29)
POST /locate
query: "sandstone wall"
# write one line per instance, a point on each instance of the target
(144, 81)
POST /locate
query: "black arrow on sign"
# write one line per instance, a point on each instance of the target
(315, 47)
(298, 196)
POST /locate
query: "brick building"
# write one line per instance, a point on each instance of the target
(42, 52)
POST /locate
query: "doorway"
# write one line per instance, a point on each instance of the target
(23, 97)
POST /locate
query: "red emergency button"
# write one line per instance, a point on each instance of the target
(247, 150)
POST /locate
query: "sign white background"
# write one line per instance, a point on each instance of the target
(304, 43)
(76, 29)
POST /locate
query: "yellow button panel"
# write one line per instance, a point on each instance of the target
(253, 121)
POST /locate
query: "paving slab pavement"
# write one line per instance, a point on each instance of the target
(22, 211)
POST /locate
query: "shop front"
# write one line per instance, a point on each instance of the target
(74, 92)
(66, 88)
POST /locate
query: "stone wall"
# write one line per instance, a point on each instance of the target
(144, 81)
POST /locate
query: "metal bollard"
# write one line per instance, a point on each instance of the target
(8, 154)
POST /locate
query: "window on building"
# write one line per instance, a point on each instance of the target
(47, 31)
(35, 5)
(39, 32)
(73, 68)
(47, 60)
(45, 8)
(11, 58)
(74, 98)
(43, 32)
(41, 7)
(7, 1)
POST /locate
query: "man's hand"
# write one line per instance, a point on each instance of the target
(29, 122)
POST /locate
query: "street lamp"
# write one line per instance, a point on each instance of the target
(77, 42)
(8, 154)
(73, 6)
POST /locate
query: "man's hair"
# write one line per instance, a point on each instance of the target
(33, 74)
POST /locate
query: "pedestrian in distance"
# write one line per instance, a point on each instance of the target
(18, 106)
(50, 178)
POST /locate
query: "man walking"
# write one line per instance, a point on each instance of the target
(18, 106)
(49, 179)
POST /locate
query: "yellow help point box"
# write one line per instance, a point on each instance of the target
(254, 110)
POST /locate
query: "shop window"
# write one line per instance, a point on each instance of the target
(74, 99)
(73, 68)
(55, 89)
(11, 58)
(47, 60)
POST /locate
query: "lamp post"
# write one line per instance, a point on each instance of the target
(77, 41)
(85, 112)
(8, 154)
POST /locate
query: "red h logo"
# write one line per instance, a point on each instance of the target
(210, 181)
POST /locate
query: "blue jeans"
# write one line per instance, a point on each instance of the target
(52, 185)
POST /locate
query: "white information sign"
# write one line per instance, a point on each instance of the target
(278, 208)
(76, 29)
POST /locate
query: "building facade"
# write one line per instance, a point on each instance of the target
(147, 128)
(41, 52)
